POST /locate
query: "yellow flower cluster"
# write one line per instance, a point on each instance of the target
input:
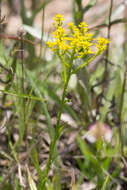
(101, 45)
(76, 40)
(58, 20)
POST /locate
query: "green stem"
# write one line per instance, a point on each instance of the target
(84, 64)
(42, 32)
(53, 142)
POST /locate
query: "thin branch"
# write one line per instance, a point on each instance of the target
(5, 36)
(114, 22)
(23, 75)
(108, 36)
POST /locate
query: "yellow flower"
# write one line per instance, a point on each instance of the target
(72, 27)
(88, 36)
(77, 40)
(51, 45)
(58, 20)
(59, 33)
(101, 45)
(83, 27)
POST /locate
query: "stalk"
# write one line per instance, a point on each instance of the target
(53, 142)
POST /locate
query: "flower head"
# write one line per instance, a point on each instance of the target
(101, 44)
(98, 131)
(58, 20)
(83, 27)
(76, 40)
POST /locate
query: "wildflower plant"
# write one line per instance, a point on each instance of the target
(75, 42)
(69, 45)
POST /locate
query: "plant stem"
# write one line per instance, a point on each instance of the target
(42, 31)
(23, 88)
(108, 36)
(22, 118)
(53, 142)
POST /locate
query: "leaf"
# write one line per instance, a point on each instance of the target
(35, 32)
(36, 88)
(89, 5)
(30, 180)
(42, 6)
(17, 183)
(22, 95)
(96, 75)
(34, 156)
(85, 151)
(113, 85)
(104, 187)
